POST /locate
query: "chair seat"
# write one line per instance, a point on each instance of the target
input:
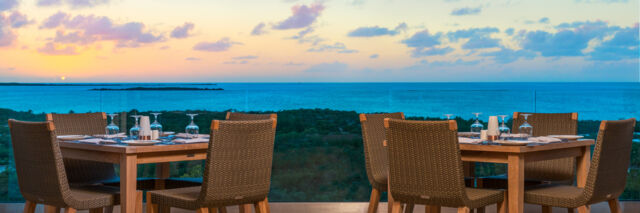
(555, 195)
(483, 197)
(90, 197)
(185, 198)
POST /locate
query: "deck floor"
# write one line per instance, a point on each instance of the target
(337, 207)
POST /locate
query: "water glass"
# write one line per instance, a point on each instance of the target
(192, 129)
(504, 130)
(134, 132)
(156, 126)
(112, 128)
(477, 127)
(526, 128)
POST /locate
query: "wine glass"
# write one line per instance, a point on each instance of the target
(504, 130)
(448, 116)
(134, 132)
(477, 126)
(526, 128)
(192, 129)
(112, 128)
(156, 125)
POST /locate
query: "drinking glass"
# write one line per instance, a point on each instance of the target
(504, 130)
(112, 128)
(526, 128)
(477, 126)
(448, 116)
(192, 129)
(134, 132)
(156, 125)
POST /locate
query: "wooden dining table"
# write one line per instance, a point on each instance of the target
(128, 157)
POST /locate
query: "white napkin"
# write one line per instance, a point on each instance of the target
(119, 135)
(469, 140)
(96, 141)
(192, 140)
(543, 139)
(184, 135)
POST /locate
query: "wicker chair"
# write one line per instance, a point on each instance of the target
(555, 171)
(606, 178)
(82, 171)
(375, 154)
(425, 167)
(37, 155)
(237, 116)
(237, 170)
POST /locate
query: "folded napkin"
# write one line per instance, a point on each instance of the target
(469, 140)
(544, 139)
(184, 135)
(96, 141)
(119, 135)
(192, 140)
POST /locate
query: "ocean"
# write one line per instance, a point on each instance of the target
(593, 101)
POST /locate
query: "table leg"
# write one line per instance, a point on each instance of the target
(128, 176)
(583, 163)
(162, 173)
(516, 183)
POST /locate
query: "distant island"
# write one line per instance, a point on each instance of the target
(156, 89)
(56, 84)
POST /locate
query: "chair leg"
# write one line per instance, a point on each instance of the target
(431, 209)
(547, 209)
(213, 210)
(29, 207)
(502, 206)
(464, 210)
(614, 206)
(51, 209)
(202, 210)
(151, 207)
(374, 200)
(584, 209)
(261, 207)
(70, 210)
(108, 209)
(409, 208)
(221, 210)
(266, 203)
(245, 208)
(164, 209)
(396, 207)
(569, 210)
(96, 210)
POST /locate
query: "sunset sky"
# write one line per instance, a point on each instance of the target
(318, 41)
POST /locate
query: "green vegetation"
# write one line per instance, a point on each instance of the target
(318, 154)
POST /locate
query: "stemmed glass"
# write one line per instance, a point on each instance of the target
(448, 116)
(192, 129)
(112, 128)
(504, 130)
(156, 125)
(526, 128)
(134, 132)
(477, 126)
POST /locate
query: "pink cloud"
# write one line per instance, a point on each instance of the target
(221, 45)
(303, 16)
(53, 49)
(89, 29)
(182, 31)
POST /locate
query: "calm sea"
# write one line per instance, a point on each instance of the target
(591, 100)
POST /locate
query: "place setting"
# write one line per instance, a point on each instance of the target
(500, 134)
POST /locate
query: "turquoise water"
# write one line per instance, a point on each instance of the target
(592, 100)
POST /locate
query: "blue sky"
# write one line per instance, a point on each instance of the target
(309, 41)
